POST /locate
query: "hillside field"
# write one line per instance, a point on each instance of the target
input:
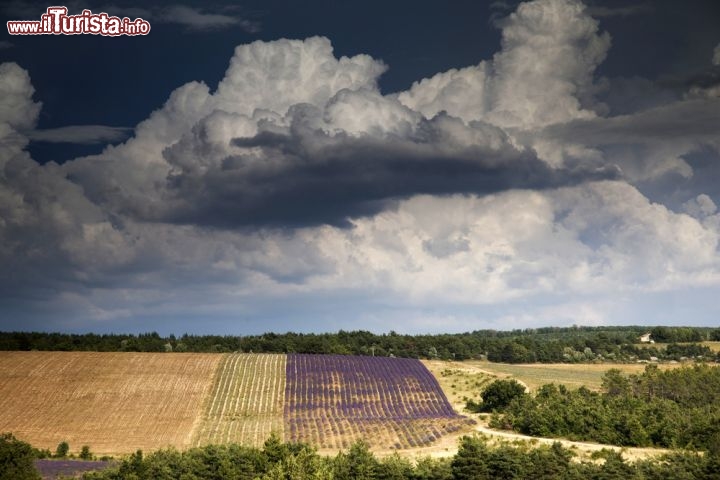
(113, 402)
(119, 402)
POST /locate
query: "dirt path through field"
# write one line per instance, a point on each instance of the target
(448, 446)
(630, 453)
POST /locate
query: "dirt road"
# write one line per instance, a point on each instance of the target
(448, 446)
(631, 453)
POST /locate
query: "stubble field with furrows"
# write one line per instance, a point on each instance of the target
(246, 402)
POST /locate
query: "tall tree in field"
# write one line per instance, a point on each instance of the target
(85, 453)
(62, 450)
(500, 393)
(615, 384)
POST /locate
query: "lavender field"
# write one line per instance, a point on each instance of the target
(394, 403)
(53, 469)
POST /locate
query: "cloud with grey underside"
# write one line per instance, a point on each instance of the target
(294, 136)
(297, 177)
(308, 176)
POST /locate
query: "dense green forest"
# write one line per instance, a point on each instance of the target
(574, 344)
(475, 460)
(676, 408)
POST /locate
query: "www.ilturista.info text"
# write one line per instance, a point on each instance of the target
(56, 21)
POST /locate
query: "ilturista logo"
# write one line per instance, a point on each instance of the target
(56, 21)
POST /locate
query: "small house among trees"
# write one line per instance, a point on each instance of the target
(646, 338)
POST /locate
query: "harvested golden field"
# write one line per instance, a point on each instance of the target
(459, 380)
(114, 402)
(246, 402)
(571, 375)
(469, 377)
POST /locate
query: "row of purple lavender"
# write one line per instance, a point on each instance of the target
(51, 469)
(333, 400)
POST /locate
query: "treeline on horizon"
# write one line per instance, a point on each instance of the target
(544, 345)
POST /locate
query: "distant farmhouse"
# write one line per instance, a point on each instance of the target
(646, 338)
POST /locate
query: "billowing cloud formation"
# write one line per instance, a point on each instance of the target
(580, 239)
(17, 110)
(542, 76)
(294, 136)
(297, 184)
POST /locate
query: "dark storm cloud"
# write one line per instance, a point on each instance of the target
(653, 145)
(691, 121)
(309, 177)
